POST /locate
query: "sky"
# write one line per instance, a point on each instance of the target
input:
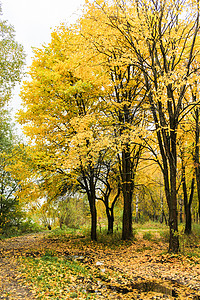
(34, 20)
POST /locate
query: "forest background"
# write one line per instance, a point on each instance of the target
(111, 118)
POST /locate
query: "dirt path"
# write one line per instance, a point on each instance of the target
(12, 285)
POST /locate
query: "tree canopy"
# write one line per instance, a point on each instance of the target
(116, 86)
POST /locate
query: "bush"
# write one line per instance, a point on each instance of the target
(29, 226)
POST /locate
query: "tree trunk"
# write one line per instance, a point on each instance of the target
(173, 212)
(188, 213)
(187, 203)
(110, 217)
(93, 213)
(181, 210)
(188, 220)
(170, 173)
(173, 228)
(127, 194)
(137, 209)
(127, 218)
(196, 156)
(90, 190)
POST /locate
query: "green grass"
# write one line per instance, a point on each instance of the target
(196, 229)
(148, 230)
(55, 278)
(148, 236)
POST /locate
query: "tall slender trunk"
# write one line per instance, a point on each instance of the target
(187, 207)
(110, 217)
(181, 212)
(196, 156)
(188, 219)
(173, 210)
(187, 194)
(127, 188)
(93, 213)
(89, 186)
(173, 213)
(137, 209)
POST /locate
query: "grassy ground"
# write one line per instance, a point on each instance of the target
(65, 264)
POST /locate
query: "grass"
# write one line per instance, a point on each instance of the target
(148, 236)
(55, 278)
(150, 225)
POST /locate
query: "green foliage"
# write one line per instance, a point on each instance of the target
(63, 234)
(12, 59)
(10, 211)
(10, 217)
(72, 211)
(28, 226)
(196, 229)
(189, 241)
(11, 62)
(164, 236)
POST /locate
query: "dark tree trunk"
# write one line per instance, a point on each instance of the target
(196, 156)
(111, 211)
(93, 213)
(171, 195)
(188, 213)
(187, 203)
(127, 188)
(173, 228)
(188, 220)
(181, 210)
(110, 217)
(88, 185)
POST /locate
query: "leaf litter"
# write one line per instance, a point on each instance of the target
(36, 266)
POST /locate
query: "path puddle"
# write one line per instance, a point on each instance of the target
(153, 286)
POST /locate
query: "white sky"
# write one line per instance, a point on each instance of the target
(34, 21)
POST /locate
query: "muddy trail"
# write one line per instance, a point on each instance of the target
(138, 270)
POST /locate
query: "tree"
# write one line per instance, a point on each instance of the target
(123, 98)
(10, 209)
(11, 63)
(12, 59)
(69, 142)
(164, 47)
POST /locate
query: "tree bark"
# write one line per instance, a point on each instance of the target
(188, 213)
(93, 213)
(110, 217)
(173, 212)
(88, 185)
(196, 156)
(127, 189)
(187, 202)
(181, 210)
(188, 220)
